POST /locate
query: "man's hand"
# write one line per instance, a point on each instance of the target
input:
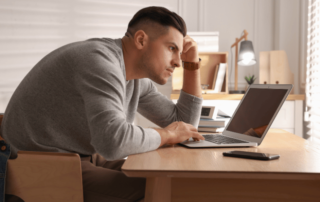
(191, 79)
(178, 132)
(190, 50)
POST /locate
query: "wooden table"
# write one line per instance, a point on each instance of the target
(176, 173)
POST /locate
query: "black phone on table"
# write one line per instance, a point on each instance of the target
(251, 155)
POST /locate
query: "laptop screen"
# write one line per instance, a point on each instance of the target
(256, 111)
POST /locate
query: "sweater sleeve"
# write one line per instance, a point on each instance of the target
(162, 111)
(101, 85)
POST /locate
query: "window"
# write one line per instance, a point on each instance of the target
(313, 71)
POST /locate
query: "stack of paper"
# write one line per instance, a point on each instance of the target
(217, 124)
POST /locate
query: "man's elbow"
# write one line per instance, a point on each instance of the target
(112, 155)
(115, 157)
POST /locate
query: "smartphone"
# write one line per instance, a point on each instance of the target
(251, 155)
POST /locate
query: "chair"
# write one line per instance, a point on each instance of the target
(45, 176)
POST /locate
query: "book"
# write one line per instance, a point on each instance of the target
(215, 74)
(210, 129)
(220, 77)
(222, 114)
(218, 122)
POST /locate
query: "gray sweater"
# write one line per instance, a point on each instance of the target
(77, 99)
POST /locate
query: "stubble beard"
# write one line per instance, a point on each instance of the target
(148, 69)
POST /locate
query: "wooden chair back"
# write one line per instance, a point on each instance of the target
(45, 176)
(1, 117)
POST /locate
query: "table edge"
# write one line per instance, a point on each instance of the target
(224, 175)
(291, 97)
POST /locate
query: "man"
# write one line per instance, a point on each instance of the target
(83, 97)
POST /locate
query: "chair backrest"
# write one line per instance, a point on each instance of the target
(44, 176)
(1, 117)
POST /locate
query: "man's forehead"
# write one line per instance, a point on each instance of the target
(174, 36)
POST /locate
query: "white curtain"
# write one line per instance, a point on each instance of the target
(313, 72)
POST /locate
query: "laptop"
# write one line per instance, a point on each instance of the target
(251, 120)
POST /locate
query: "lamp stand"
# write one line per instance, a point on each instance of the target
(236, 91)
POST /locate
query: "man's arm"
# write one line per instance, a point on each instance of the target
(180, 131)
(188, 106)
(101, 85)
(191, 78)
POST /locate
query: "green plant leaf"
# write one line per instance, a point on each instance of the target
(250, 79)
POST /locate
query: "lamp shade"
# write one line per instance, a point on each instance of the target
(246, 54)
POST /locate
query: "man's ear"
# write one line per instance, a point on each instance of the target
(140, 39)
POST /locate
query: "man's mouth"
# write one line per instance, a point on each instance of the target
(171, 70)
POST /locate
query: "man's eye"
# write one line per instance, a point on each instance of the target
(171, 48)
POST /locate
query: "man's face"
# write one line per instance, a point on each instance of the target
(162, 55)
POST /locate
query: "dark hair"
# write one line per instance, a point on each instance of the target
(159, 15)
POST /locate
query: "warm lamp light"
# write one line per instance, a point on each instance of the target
(246, 54)
(246, 58)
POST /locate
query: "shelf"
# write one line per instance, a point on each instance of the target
(209, 62)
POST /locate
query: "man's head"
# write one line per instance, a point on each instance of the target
(155, 21)
(157, 34)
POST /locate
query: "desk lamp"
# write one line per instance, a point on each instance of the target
(246, 58)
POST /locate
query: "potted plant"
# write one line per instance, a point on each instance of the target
(250, 80)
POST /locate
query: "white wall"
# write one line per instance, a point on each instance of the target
(272, 25)
(31, 29)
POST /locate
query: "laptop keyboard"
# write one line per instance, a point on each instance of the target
(220, 139)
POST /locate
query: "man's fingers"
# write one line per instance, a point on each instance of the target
(191, 127)
(187, 37)
(199, 136)
(186, 40)
(187, 45)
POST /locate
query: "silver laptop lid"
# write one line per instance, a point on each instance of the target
(256, 111)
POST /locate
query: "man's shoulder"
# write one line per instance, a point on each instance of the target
(105, 47)
(113, 45)
(97, 53)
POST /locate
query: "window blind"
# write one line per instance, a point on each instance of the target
(31, 29)
(313, 71)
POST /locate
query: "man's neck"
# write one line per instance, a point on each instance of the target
(131, 59)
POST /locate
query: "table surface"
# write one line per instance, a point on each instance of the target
(222, 96)
(299, 159)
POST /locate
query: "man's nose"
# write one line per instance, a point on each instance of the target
(177, 61)
(177, 64)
